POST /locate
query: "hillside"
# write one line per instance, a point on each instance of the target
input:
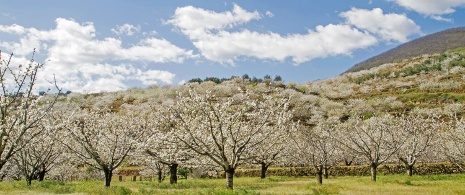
(434, 43)
(427, 84)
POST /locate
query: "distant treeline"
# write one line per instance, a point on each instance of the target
(265, 79)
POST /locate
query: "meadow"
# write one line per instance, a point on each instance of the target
(386, 184)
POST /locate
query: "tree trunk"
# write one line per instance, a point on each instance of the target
(348, 162)
(173, 173)
(160, 175)
(229, 177)
(373, 167)
(326, 171)
(2, 163)
(263, 170)
(410, 170)
(29, 181)
(42, 171)
(108, 174)
(319, 174)
(41, 175)
(408, 165)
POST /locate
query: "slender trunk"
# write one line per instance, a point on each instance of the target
(263, 170)
(108, 174)
(348, 162)
(42, 175)
(326, 171)
(408, 164)
(160, 174)
(373, 167)
(173, 173)
(319, 174)
(229, 177)
(410, 170)
(29, 181)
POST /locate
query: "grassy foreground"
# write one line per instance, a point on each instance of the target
(392, 184)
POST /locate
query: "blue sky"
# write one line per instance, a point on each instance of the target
(104, 45)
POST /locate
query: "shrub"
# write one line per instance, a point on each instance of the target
(361, 170)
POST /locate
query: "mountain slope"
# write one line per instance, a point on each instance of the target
(434, 43)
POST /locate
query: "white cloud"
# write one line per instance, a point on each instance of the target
(216, 38)
(103, 84)
(330, 40)
(197, 22)
(389, 27)
(440, 18)
(13, 29)
(29, 39)
(152, 77)
(432, 8)
(126, 29)
(269, 14)
(155, 50)
(81, 62)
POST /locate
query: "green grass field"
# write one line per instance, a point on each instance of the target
(392, 184)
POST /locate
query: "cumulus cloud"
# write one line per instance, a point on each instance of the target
(82, 62)
(432, 8)
(269, 14)
(126, 29)
(214, 35)
(152, 77)
(440, 18)
(330, 40)
(155, 50)
(390, 27)
(198, 22)
(12, 29)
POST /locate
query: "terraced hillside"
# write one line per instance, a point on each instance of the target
(438, 42)
(422, 85)
(428, 84)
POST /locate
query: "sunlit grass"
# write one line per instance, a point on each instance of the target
(391, 184)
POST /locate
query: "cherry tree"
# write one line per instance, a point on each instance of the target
(226, 129)
(42, 152)
(20, 111)
(37, 157)
(275, 149)
(10, 172)
(164, 148)
(420, 136)
(150, 167)
(103, 140)
(315, 147)
(375, 139)
(271, 151)
(453, 140)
